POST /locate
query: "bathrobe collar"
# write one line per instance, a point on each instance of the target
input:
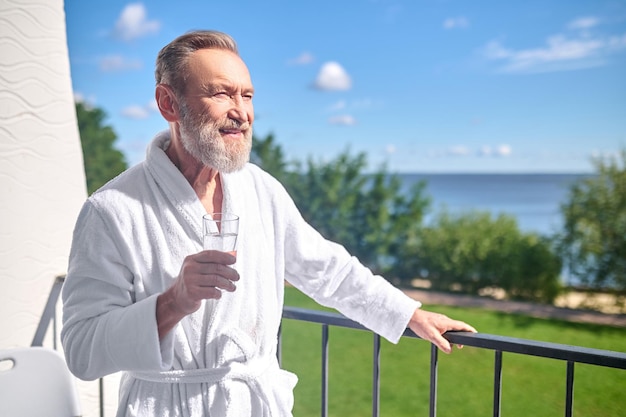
(176, 187)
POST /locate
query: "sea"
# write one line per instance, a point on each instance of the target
(534, 200)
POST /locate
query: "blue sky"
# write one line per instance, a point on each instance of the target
(418, 85)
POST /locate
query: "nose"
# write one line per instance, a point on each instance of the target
(241, 109)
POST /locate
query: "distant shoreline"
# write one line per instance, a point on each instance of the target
(527, 174)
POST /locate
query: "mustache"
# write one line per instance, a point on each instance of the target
(234, 124)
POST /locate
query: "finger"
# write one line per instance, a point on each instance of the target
(217, 281)
(215, 256)
(219, 270)
(467, 328)
(457, 325)
(442, 343)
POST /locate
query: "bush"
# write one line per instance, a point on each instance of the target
(472, 251)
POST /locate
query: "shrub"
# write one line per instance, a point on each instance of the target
(472, 251)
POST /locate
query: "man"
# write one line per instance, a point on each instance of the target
(194, 331)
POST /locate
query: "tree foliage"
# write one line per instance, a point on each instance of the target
(102, 161)
(382, 224)
(369, 214)
(593, 242)
(472, 251)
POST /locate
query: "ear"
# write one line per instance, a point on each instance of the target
(167, 102)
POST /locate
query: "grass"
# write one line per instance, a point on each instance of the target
(531, 386)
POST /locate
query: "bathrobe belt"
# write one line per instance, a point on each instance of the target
(255, 372)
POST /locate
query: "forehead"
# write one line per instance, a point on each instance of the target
(210, 66)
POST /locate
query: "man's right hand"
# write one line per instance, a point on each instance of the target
(203, 275)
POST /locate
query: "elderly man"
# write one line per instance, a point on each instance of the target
(193, 331)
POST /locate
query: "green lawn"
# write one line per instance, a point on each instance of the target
(531, 386)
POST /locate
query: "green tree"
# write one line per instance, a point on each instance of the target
(102, 161)
(267, 154)
(382, 224)
(472, 251)
(370, 214)
(593, 242)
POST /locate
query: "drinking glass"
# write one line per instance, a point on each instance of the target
(220, 232)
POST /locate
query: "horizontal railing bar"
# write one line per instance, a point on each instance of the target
(320, 317)
(579, 354)
(559, 351)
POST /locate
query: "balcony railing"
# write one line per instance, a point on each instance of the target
(499, 344)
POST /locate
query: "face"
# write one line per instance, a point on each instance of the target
(216, 111)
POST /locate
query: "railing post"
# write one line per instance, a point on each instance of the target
(433, 380)
(49, 312)
(101, 389)
(376, 377)
(279, 345)
(497, 384)
(569, 390)
(325, 370)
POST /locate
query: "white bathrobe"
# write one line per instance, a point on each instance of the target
(129, 243)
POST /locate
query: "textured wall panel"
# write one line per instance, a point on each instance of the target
(42, 182)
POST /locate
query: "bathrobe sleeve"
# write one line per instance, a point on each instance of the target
(326, 272)
(105, 329)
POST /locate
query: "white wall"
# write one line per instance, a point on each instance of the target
(42, 181)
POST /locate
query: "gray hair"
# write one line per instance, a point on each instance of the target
(171, 63)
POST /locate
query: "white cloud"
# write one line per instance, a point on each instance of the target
(138, 112)
(365, 103)
(617, 42)
(358, 104)
(343, 120)
(504, 150)
(583, 23)
(304, 58)
(133, 23)
(455, 23)
(485, 150)
(458, 150)
(153, 106)
(332, 77)
(560, 52)
(111, 63)
(135, 112)
(339, 105)
(390, 149)
(88, 102)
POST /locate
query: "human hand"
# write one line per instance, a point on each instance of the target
(203, 275)
(431, 326)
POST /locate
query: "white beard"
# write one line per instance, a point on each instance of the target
(202, 139)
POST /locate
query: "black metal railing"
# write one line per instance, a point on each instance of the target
(499, 344)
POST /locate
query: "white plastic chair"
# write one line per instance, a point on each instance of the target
(35, 381)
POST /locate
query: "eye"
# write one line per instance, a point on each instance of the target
(221, 95)
(247, 96)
